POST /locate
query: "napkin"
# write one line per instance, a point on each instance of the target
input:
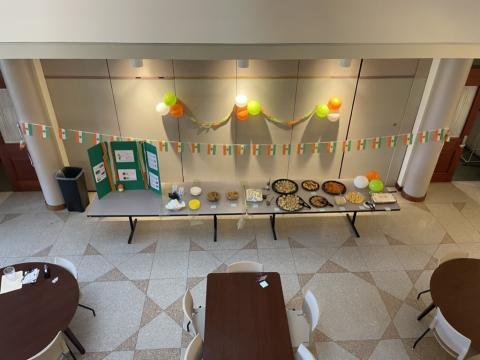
(31, 277)
(11, 285)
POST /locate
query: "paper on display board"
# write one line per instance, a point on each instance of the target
(99, 172)
(127, 174)
(154, 181)
(152, 160)
(123, 156)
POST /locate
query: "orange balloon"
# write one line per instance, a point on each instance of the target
(242, 113)
(334, 103)
(373, 175)
(176, 110)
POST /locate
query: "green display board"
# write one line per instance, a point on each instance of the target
(128, 165)
(101, 169)
(152, 168)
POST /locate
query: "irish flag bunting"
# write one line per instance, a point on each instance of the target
(44, 131)
(97, 138)
(27, 129)
(80, 137)
(286, 149)
(361, 144)
(301, 148)
(392, 141)
(315, 148)
(63, 134)
(179, 147)
(438, 135)
(195, 148)
(347, 145)
(256, 150)
(163, 146)
(212, 149)
(242, 149)
(331, 146)
(423, 137)
(376, 143)
(408, 139)
(271, 149)
(227, 149)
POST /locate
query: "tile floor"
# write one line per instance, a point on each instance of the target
(366, 287)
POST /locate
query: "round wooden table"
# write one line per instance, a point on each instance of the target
(455, 289)
(31, 317)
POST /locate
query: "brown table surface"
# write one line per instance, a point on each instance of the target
(31, 317)
(455, 289)
(244, 321)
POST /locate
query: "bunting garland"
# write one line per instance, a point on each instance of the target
(373, 143)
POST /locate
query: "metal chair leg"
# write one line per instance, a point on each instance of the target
(420, 338)
(88, 308)
(421, 293)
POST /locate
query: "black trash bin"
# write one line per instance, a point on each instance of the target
(73, 187)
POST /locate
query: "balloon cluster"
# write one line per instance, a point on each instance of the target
(372, 180)
(170, 105)
(329, 110)
(245, 107)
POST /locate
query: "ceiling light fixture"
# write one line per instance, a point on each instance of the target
(243, 64)
(136, 63)
(345, 62)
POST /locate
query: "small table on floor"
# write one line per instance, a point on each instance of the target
(455, 289)
(245, 321)
(32, 316)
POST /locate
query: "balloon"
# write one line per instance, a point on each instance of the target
(372, 175)
(376, 185)
(242, 114)
(162, 108)
(322, 110)
(360, 182)
(241, 100)
(169, 98)
(176, 110)
(334, 103)
(333, 117)
(254, 107)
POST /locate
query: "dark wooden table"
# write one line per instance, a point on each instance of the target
(31, 317)
(455, 289)
(244, 321)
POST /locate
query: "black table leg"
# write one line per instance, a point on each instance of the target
(351, 220)
(74, 340)
(426, 311)
(215, 228)
(133, 225)
(272, 223)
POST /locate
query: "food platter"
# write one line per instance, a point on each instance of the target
(291, 203)
(332, 187)
(284, 186)
(310, 185)
(319, 201)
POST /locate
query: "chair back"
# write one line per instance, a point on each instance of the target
(68, 265)
(194, 350)
(187, 305)
(245, 266)
(303, 353)
(54, 350)
(450, 339)
(452, 256)
(311, 310)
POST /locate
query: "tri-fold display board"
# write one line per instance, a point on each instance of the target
(135, 166)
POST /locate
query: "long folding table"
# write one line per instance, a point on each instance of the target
(134, 204)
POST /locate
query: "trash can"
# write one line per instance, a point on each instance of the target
(74, 188)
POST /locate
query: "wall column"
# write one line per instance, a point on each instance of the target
(449, 81)
(22, 83)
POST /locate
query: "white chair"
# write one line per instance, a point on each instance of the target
(72, 269)
(194, 350)
(303, 323)
(195, 316)
(245, 267)
(57, 348)
(303, 353)
(450, 339)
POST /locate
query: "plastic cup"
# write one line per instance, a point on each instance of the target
(9, 273)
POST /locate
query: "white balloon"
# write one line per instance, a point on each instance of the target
(333, 117)
(360, 182)
(241, 100)
(162, 108)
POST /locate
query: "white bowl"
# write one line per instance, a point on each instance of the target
(195, 190)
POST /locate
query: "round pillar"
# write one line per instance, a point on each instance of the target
(443, 100)
(21, 80)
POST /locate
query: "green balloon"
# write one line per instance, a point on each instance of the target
(376, 185)
(254, 107)
(169, 98)
(322, 110)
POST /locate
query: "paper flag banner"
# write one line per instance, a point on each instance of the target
(392, 141)
(301, 148)
(347, 145)
(242, 149)
(271, 149)
(316, 148)
(27, 129)
(331, 147)
(376, 143)
(63, 134)
(361, 144)
(79, 137)
(97, 138)
(423, 137)
(212, 149)
(438, 135)
(227, 149)
(256, 150)
(44, 131)
(286, 149)
(195, 148)
(179, 147)
(408, 139)
(163, 146)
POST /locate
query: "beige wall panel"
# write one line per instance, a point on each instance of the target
(328, 68)
(310, 93)
(56, 67)
(150, 68)
(270, 68)
(277, 98)
(208, 100)
(390, 67)
(136, 100)
(204, 68)
(83, 104)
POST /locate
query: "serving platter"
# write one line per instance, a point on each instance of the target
(310, 185)
(284, 186)
(297, 203)
(319, 201)
(333, 187)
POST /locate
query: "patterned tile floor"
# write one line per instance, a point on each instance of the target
(366, 287)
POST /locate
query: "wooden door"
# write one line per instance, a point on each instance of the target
(452, 151)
